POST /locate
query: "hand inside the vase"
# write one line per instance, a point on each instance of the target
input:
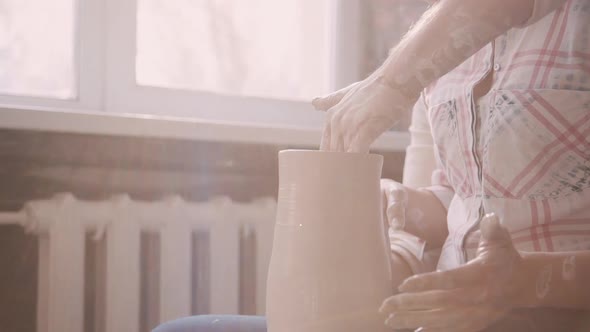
(467, 299)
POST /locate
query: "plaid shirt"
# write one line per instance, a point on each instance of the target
(522, 150)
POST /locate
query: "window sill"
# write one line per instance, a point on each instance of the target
(139, 125)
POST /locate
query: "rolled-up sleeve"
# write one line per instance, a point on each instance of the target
(421, 170)
(441, 188)
(421, 167)
(542, 8)
(420, 161)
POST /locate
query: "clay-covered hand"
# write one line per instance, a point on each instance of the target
(469, 298)
(359, 114)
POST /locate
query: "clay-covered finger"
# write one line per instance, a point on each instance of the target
(428, 319)
(324, 103)
(427, 300)
(464, 276)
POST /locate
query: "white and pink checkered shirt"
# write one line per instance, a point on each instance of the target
(523, 149)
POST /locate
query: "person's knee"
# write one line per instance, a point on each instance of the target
(214, 323)
(192, 324)
(177, 325)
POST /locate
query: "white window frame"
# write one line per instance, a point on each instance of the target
(123, 94)
(105, 41)
(88, 57)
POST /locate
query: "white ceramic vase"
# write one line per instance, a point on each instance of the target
(330, 268)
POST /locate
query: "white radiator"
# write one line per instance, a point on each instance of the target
(64, 224)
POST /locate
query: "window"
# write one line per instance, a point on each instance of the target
(386, 23)
(37, 48)
(255, 61)
(262, 48)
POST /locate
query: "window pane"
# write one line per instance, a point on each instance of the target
(386, 23)
(266, 48)
(37, 48)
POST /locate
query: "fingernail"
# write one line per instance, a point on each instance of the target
(403, 287)
(390, 305)
(315, 103)
(390, 320)
(317, 100)
(490, 226)
(491, 218)
(409, 285)
(386, 305)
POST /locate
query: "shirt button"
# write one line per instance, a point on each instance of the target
(497, 67)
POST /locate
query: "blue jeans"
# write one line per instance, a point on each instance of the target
(522, 320)
(215, 323)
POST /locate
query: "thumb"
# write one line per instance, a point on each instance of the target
(324, 103)
(492, 231)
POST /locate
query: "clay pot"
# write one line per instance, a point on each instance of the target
(330, 268)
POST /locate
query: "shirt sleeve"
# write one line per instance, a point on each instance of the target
(441, 188)
(421, 168)
(420, 161)
(413, 251)
(542, 8)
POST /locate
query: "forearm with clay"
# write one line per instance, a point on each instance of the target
(447, 34)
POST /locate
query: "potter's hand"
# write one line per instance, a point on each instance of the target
(360, 113)
(469, 298)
